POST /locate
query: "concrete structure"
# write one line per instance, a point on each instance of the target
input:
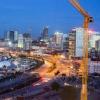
(76, 42)
(93, 37)
(11, 39)
(27, 40)
(97, 45)
(20, 41)
(58, 39)
(65, 42)
(12, 36)
(44, 34)
(52, 44)
(66, 45)
(72, 44)
(16, 35)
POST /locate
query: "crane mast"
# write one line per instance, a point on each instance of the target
(84, 65)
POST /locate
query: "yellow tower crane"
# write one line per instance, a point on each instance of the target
(87, 20)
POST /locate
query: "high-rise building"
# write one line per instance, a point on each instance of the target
(65, 42)
(15, 35)
(76, 39)
(93, 37)
(97, 45)
(52, 44)
(44, 34)
(76, 42)
(58, 38)
(20, 41)
(12, 36)
(27, 41)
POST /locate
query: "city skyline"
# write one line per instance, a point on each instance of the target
(49, 49)
(34, 15)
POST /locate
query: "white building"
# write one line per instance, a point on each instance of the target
(15, 35)
(20, 41)
(76, 42)
(94, 36)
(79, 42)
(58, 38)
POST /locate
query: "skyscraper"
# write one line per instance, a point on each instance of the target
(12, 36)
(27, 41)
(76, 42)
(20, 41)
(44, 34)
(65, 42)
(58, 38)
(93, 37)
(15, 35)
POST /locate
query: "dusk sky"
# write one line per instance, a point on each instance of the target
(33, 15)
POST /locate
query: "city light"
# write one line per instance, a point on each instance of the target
(62, 56)
(10, 43)
(90, 32)
(42, 63)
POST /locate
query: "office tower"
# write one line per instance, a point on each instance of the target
(44, 34)
(76, 42)
(58, 38)
(12, 36)
(27, 41)
(93, 37)
(20, 41)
